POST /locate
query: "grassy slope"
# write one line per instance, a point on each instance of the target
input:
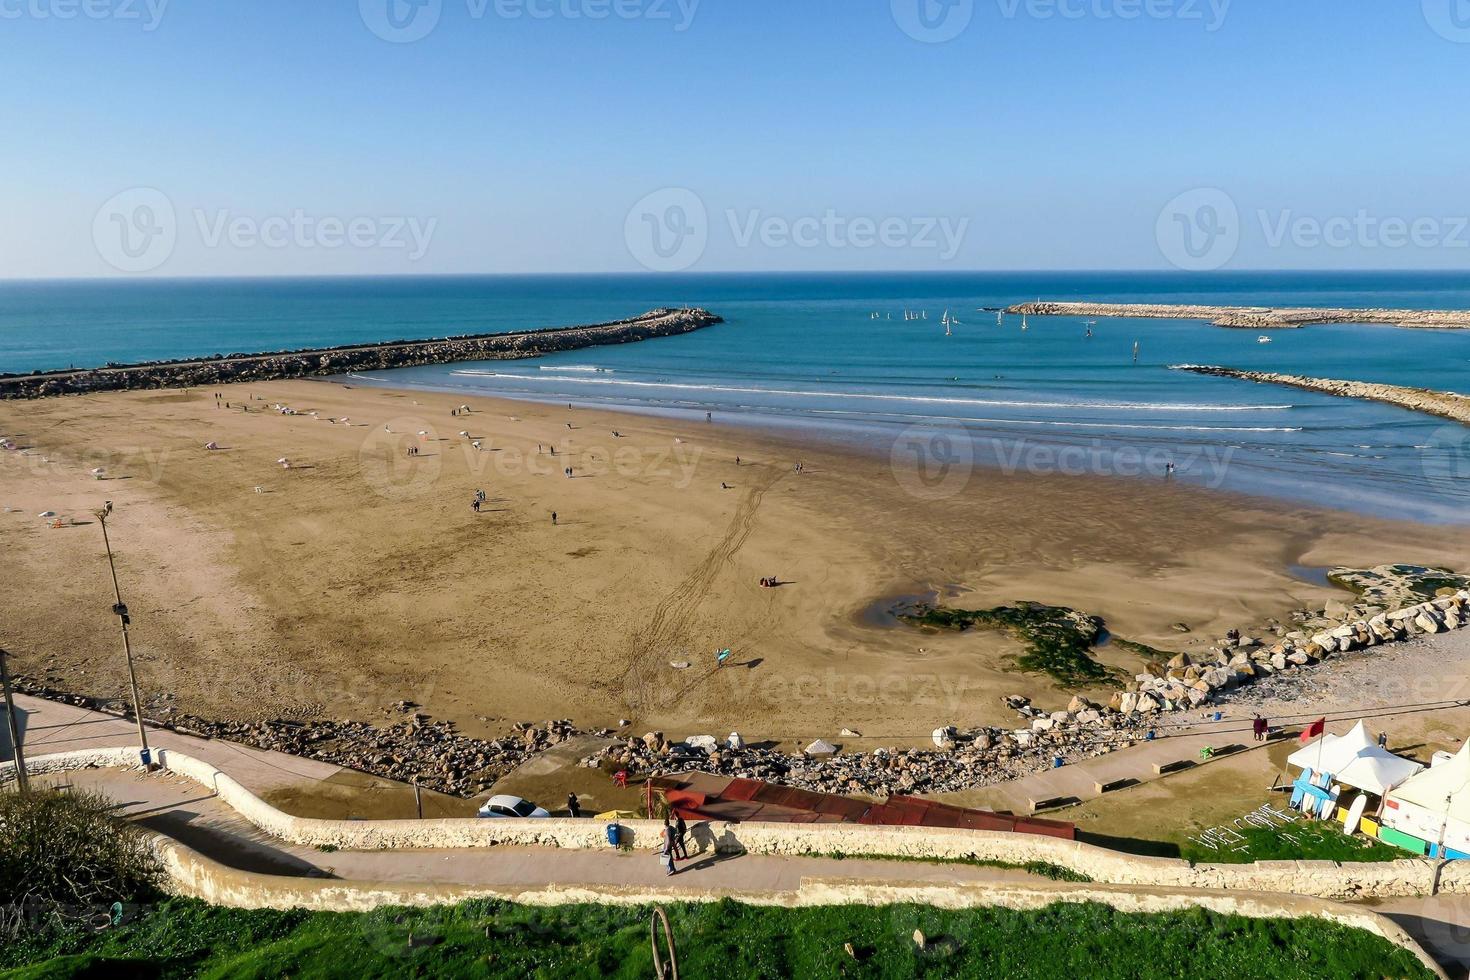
(186, 938)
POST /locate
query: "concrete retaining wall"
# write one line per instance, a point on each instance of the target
(1323, 879)
(197, 876)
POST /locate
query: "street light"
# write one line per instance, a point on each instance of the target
(22, 778)
(120, 610)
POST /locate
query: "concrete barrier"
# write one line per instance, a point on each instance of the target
(196, 876)
(1324, 879)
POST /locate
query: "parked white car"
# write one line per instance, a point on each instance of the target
(511, 806)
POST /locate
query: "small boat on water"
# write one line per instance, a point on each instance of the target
(1263, 339)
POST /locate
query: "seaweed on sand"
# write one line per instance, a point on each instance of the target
(1058, 640)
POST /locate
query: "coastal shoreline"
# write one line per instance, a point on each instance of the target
(235, 368)
(1252, 317)
(488, 619)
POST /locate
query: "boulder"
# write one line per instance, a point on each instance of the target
(735, 742)
(704, 743)
(821, 747)
(1427, 622)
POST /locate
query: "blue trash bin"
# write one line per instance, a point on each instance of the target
(1057, 762)
(614, 834)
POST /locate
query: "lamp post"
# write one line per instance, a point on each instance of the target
(22, 778)
(120, 610)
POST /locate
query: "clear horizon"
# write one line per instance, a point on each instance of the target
(514, 137)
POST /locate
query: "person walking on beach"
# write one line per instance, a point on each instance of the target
(666, 850)
(553, 518)
(1260, 728)
(475, 505)
(681, 832)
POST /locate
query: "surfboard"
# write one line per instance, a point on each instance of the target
(1355, 815)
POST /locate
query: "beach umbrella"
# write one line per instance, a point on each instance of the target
(99, 473)
(465, 434)
(46, 514)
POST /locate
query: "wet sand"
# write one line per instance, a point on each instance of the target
(361, 576)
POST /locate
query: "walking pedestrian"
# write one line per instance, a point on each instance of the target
(574, 806)
(1383, 740)
(666, 849)
(553, 518)
(1258, 726)
(475, 505)
(681, 832)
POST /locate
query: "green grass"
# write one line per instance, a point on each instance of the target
(1058, 640)
(724, 940)
(1269, 845)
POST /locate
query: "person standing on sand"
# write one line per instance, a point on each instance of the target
(681, 831)
(1258, 727)
(553, 518)
(666, 850)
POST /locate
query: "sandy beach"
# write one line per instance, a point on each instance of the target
(360, 576)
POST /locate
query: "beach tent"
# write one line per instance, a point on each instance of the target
(1377, 771)
(1434, 802)
(1353, 761)
(1333, 753)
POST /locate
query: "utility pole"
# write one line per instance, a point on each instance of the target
(120, 610)
(22, 777)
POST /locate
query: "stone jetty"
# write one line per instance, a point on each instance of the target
(1445, 404)
(228, 368)
(1253, 317)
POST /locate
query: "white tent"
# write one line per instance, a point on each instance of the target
(1356, 760)
(1377, 771)
(1448, 782)
(1333, 753)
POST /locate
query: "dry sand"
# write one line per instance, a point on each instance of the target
(361, 577)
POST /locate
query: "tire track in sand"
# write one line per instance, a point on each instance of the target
(669, 622)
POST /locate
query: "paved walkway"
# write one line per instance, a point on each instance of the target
(1080, 781)
(181, 809)
(49, 726)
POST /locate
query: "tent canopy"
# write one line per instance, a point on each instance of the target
(1333, 753)
(1449, 781)
(1377, 771)
(1356, 760)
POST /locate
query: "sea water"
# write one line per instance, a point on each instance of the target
(804, 352)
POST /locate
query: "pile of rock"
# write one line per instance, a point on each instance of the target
(340, 360)
(962, 760)
(432, 752)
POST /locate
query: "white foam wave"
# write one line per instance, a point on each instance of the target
(917, 399)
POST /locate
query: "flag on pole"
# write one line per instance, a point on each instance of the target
(1314, 729)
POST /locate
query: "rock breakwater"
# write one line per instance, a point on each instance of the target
(1445, 404)
(230, 368)
(1253, 317)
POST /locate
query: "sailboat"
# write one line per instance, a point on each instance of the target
(1000, 318)
(947, 321)
(1024, 324)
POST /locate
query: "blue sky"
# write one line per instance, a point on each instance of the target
(287, 137)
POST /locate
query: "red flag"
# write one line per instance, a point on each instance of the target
(1314, 729)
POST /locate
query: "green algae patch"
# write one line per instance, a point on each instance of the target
(1058, 640)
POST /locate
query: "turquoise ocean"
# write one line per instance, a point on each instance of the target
(804, 353)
